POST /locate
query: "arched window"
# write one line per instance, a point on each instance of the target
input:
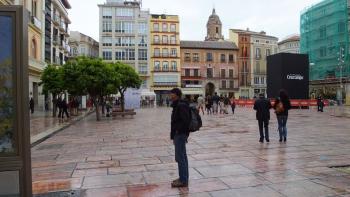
(33, 49)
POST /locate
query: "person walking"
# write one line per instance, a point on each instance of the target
(180, 122)
(226, 104)
(31, 105)
(215, 100)
(64, 109)
(59, 106)
(201, 103)
(262, 107)
(282, 106)
(320, 104)
(233, 105)
(209, 104)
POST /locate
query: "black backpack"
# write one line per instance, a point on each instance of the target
(196, 120)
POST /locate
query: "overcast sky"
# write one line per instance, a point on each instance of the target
(278, 18)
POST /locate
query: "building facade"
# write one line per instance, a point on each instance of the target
(165, 54)
(83, 45)
(253, 52)
(290, 45)
(325, 35)
(210, 66)
(124, 37)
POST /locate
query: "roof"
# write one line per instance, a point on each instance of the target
(262, 33)
(66, 4)
(220, 45)
(294, 38)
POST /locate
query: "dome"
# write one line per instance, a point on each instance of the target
(214, 18)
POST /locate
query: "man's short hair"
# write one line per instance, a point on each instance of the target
(176, 91)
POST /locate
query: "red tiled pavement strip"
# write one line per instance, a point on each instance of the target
(135, 158)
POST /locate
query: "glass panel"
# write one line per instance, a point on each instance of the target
(7, 104)
(9, 183)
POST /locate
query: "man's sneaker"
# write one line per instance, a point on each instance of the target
(178, 183)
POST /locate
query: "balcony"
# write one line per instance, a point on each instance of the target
(165, 70)
(67, 32)
(164, 55)
(165, 84)
(55, 40)
(66, 47)
(143, 73)
(36, 22)
(34, 63)
(56, 20)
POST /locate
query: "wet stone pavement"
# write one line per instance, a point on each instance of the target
(135, 158)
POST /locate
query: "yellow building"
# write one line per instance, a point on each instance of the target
(165, 54)
(35, 46)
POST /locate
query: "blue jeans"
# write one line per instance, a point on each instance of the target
(181, 156)
(282, 126)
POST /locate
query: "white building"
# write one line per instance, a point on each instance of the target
(290, 45)
(83, 45)
(124, 36)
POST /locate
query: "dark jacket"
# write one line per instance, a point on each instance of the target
(180, 118)
(262, 107)
(286, 105)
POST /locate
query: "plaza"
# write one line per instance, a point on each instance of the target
(135, 157)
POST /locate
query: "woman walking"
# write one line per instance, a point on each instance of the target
(282, 106)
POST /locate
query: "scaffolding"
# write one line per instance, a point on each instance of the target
(324, 30)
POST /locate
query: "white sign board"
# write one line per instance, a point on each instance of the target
(133, 99)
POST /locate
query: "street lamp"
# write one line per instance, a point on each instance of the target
(341, 60)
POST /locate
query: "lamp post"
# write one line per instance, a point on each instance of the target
(341, 61)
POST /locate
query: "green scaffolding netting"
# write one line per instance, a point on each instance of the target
(324, 30)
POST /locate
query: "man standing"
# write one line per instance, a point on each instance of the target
(180, 121)
(262, 107)
(31, 105)
(200, 103)
(216, 100)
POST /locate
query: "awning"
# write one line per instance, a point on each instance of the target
(147, 93)
(192, 92)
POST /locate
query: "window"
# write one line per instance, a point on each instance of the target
(107, 26)
(223, 73)
(173, 27)
(323, 32)
(34, 8)
(231, 58)
(156, 39)
(156, 52)
(156, 27)
(33, 49)
(172, 39)
(125, 54)
(107, 55)
(165, 66)
(124, 12)
(124, 27)
(156, 66)
(165, 27)
(223, 84)
(196, 72)
(107, 13)
(232, 84)
(217, 30)
(187, 72)
(82, 51)
(174, 66)
(209, 57)
(231, 73)
(256, 80)
(187, 57)
(165, 52)
(125, 41)
(196, 57)
(323, 52)
(143, 41)
(143, 28)
(210, 72)
(165, 39)
(143, 69)
(107, 41)
(257, 53)
(142, 54)
(173, 53)
(268, 52)
(262, 80)
(223, 58)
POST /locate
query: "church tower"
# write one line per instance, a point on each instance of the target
(214, 28)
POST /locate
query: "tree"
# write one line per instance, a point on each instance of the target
(128, 79)
(52, 81)
(97, 78)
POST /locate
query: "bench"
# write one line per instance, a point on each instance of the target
(122, 114)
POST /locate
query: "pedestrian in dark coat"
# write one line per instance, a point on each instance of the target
(262, 107)
(31, 105)
(180, 122)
